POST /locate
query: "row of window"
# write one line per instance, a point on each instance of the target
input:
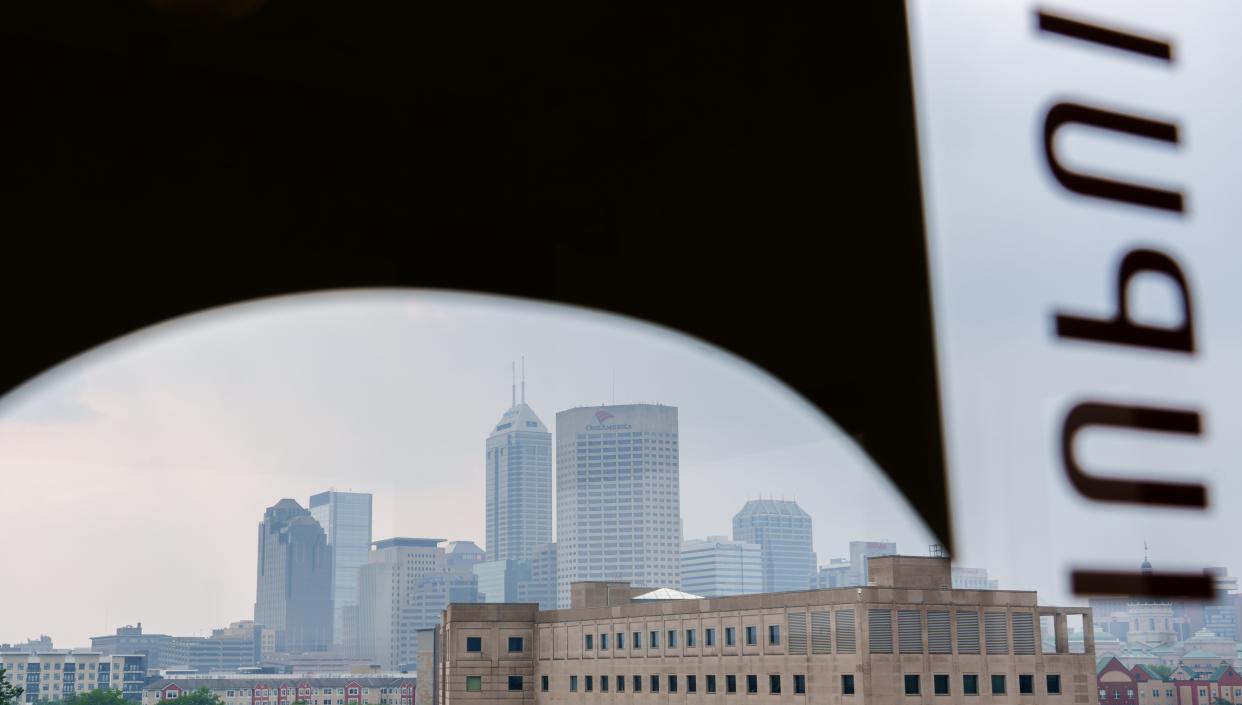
(912, 684)
(474, 644)
(970, 684)
(673, 683)
(691, 638)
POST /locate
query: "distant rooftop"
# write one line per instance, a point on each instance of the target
(407, 542)
(771, 507)
(665, 594)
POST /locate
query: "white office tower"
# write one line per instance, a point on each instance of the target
(519, 483)
(346, 519)
(618, 496)
(716, 566)
(784, 532)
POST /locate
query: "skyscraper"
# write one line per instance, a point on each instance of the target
(519, 483)
(784, 532)
(294, 592)
(346, 521)
(618, 501)
(716, 566)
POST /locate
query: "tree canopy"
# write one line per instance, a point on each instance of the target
(9, 694)
(104, 696)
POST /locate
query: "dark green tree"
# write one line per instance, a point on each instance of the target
(9, 694)
(96, 697)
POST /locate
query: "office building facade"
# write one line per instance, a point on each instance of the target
(909, 639)
(618, 502)
(130, 639)
(346, 521)
(238, 645)
(838, 573)
(783, 530)
(716, 566)
(51, 676)
(294, 591)
(973, 579)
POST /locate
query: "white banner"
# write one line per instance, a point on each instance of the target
(1082, 183)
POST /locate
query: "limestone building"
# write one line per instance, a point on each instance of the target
(907, 638)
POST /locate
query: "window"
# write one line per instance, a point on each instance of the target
(573, 684)
(970, 684)
(620, 684)
(672, 638)
(940, 683)
(352, 691)
(752, 635)
(730, 684)
(774, 683)
(711, 684)
(620, 640)
(912, 684)
(603, 684)
(474, 644)
(692, 684)
(689, 637)
(637, 641)
(1054, 683)
(799, 684)
(655, 684)
(590, 683)
(655, 640)
(543, 683)
(515, 682)
(730, 637)
(709, 636)
(1026, 684)
(638, 684)
(752, 684)
(515, 644)
(672, 684)
(847, 684)
(603, 642)
(474, 684)
(588, 641)
(774, 634)
(998, 685)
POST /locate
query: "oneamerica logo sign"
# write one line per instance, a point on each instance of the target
(601, 416)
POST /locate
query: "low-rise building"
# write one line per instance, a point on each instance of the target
(286, 690)
(55, 675)
(716, 566)
(907, 638)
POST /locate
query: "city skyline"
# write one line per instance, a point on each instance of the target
(384, 393)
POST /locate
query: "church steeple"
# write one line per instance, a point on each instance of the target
(1146, 567)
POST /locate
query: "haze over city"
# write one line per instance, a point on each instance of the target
(167, 446)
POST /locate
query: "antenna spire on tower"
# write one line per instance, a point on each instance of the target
(513, 389)
(523, 379)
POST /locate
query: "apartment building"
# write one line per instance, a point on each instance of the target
(907, 638)
(55, 675)
(285, 690)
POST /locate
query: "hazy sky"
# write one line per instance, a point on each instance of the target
(142, 469)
